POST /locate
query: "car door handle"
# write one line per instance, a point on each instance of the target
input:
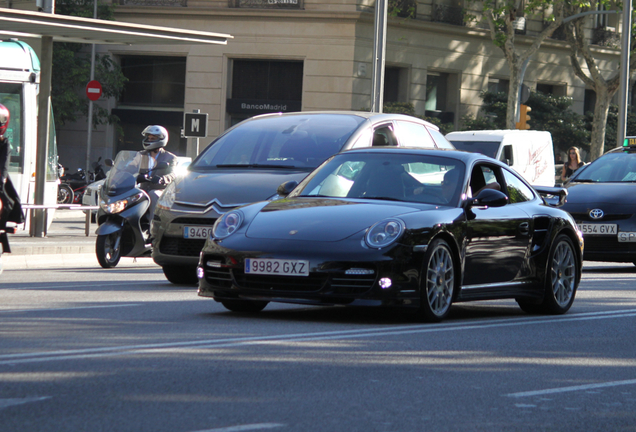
(524, 228)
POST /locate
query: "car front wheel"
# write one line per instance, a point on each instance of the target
(438, 282)
(245, 306)
(181, 275)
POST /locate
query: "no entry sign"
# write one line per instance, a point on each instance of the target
(93, 90)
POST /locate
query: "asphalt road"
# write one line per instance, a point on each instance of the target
(86, 349)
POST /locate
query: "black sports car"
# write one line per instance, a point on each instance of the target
(601, 200)
(397, 227)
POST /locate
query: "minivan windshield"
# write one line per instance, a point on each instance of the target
(297, 141)
(488, 148)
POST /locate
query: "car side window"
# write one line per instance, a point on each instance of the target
(440, 139)
(383, 136)
(484, 177)
(414, 135)
(517, 189)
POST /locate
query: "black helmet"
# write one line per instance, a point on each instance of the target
(158, 139)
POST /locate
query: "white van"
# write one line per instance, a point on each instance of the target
(530, 153)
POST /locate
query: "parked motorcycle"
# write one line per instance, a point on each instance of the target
(72, 186)
(123, 225)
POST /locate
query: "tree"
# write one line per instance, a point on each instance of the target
(605, 88)
(500, 17)
(71, 70)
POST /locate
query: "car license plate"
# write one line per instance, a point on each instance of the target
(598, 229)
(279, 267)
(197, 232)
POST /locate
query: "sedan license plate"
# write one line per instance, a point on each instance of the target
(279, 267)
(598, 229)
(197, 232)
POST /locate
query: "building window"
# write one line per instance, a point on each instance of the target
(496, 85)
(552, 89)
(154, 81)
(440, 99)
(396, 83)
(267, 4)
(262, 86)
(590, 101)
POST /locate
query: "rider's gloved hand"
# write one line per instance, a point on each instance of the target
(156, 180)
(142, 178)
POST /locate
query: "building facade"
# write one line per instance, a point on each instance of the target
(291, 55)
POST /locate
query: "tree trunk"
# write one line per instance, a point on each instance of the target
(601, 110)
(513, 94)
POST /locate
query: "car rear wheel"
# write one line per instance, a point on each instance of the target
(438, 282)
(245, 306)
(181, 275)
(561, 280)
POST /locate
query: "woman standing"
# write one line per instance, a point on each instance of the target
(573, 163)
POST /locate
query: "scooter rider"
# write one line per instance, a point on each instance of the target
(157, 164)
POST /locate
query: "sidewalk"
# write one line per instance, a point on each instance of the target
(65, 245)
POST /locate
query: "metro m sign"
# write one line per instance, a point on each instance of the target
(195, 125)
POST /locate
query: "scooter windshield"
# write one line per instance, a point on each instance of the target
(123, 175)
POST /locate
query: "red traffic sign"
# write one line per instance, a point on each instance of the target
(93, 90)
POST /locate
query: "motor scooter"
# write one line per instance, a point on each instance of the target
(122, 217)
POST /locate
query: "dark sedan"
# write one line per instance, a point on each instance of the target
(397, 227)
(601, 200)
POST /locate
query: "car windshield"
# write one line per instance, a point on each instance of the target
(298, 141)
(612, 167)
(395, 177)
(488, 148)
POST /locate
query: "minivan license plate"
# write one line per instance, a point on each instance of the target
(598, 229)
(281, 267)
(197, 232)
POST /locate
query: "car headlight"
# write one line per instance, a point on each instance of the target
(227, 224)
(120, 205)
(167, 197)
(384, 233)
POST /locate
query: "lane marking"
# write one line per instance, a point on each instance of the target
(4, 403)
(69, 308)
(247, 427)
(572, 388)
(188, 346)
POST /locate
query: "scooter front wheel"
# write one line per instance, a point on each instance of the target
(108, 249)
(64, 194)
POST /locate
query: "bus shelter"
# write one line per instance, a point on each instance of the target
(61, 28)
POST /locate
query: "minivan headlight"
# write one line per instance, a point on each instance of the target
(167, 198)
(227, 224)
(384, 233)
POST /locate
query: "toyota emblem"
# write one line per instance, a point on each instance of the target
(597, 214)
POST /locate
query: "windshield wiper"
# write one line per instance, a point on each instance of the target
(382, 198)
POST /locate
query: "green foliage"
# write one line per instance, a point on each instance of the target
(549, 113)
(402, 8)
(71, 70)
(408, 109)
(611, 126)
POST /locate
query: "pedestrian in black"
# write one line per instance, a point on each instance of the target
(10, 207)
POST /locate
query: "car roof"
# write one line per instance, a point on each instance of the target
(372, 116)
(464, 156)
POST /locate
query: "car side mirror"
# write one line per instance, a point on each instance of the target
(109, 162)
(286, 188)
(490, 198)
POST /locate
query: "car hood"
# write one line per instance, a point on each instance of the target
(233, 187)
(325, 220)
(592, 194)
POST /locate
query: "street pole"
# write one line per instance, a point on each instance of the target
(624, 78)
(89, 135)
(379, 49)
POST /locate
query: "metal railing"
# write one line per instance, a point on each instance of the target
(47, 207)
